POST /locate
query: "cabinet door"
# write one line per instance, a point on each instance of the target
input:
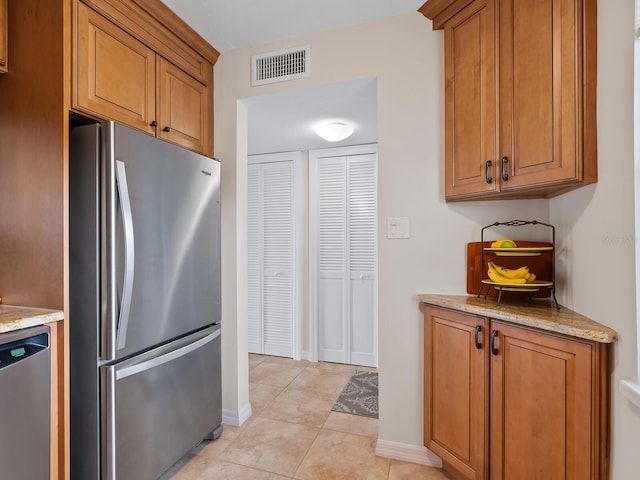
(3, 36)
(185, 109)
(456, 397)
(470, 102)
(542, 405)
(115, 74)
(540, 106)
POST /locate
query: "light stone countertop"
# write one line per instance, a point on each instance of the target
(14, 317)
(538, 313)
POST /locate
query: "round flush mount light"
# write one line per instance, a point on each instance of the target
(334, 131)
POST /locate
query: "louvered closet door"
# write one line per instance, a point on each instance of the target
(332, 230)
(347, 252)
(362, 258)
(271, 258)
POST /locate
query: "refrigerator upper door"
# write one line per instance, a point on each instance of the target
(160, 240)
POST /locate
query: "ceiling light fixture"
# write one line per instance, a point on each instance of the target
(334, 131)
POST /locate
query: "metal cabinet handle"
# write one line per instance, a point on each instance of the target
(487, 171)
(153, 124)
(166, 129)
(494, 336)
(478, 338)
(505, 174)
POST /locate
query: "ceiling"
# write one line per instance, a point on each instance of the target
(233, 24)
(284, 122)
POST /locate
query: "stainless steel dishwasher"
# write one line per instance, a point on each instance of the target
(25, 403)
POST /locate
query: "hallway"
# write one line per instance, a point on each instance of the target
(293, 434)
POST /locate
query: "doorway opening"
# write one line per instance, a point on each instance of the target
(285, 122)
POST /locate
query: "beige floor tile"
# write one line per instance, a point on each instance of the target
(255, 360)
(411, 471)
(337, 455)
(275, 374)
(261, 395)
(221, 470)
(209, 450)
(188, 467)
(285, 361)
(307, 407)
(339, 367)
(271, 445)
(322, 380)
(345, 422)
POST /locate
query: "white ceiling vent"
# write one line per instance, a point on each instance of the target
(280, 66)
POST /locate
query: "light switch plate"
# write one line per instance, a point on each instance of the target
(398, 227)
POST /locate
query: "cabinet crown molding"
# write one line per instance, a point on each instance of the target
(439, 11)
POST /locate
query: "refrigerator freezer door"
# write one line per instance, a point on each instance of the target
(169, 201)
(160, 404)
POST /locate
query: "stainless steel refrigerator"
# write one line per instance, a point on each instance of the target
(144, 252)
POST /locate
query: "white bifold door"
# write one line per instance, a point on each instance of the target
(272, 250)
(343, 251)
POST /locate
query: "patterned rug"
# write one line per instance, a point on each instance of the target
(359, 396)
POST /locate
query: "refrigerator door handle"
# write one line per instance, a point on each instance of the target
(144, 365)
(129, 254)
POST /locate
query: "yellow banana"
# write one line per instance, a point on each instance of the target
(521, 272)
(531, 277)
(497, 278)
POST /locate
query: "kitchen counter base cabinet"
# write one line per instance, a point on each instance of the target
(456, 382)
(504, 401)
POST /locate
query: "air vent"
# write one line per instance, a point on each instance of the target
(280, 66)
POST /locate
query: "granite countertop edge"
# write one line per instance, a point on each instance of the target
(13, 317)
(539, 314)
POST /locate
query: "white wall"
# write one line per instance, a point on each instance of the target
(406, 56)
(596, 228)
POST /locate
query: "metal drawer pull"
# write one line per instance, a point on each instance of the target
(505, 175)
(478, 339)
(487, 171)
(494, 336)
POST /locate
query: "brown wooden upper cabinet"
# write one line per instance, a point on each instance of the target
(119, 76)
(520, 96)
(3, 36)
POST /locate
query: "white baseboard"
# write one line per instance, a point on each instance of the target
(407, 453)
(631, 390)
(231, 417)
(305, 356)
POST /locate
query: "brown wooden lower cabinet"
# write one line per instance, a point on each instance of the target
(504, 401)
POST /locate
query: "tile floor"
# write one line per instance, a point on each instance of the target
(293, 434)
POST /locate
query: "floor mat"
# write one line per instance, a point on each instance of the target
(359, 396)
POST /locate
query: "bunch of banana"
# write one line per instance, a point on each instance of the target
(500, 274)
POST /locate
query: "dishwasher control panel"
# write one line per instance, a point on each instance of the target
(13, 352)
